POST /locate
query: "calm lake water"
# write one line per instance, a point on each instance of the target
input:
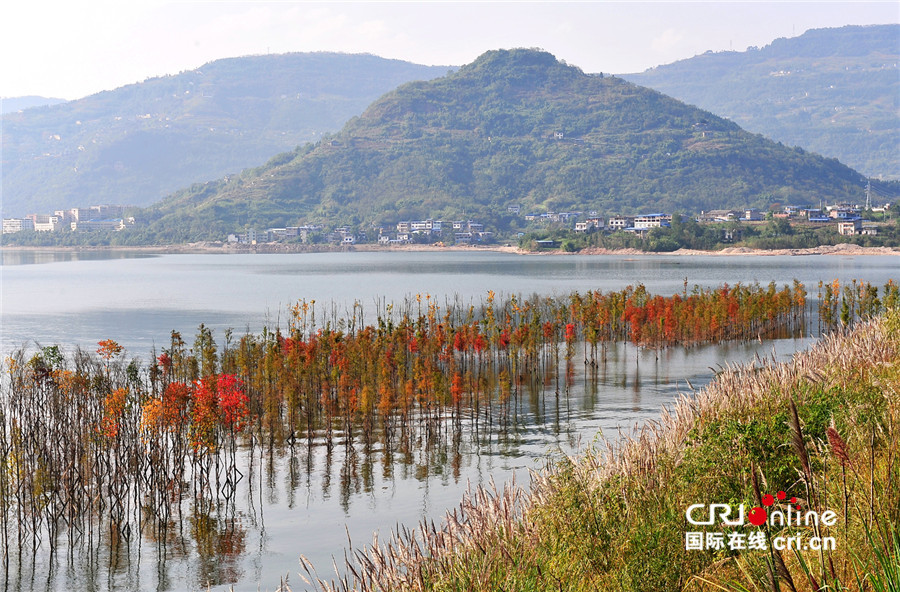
(307, 500)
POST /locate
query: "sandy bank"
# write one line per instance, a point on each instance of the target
(220, 247)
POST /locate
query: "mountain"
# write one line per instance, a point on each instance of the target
(515, 126)
(13, 104)
(832, 91)
(138, 143)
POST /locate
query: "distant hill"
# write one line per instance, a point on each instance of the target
(519, 127)
(13, 104)
(832, 91)
(138, 143)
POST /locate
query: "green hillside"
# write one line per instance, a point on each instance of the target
(518, 127)
(832, 91)
(136, 144)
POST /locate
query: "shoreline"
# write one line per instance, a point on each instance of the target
(843, 249)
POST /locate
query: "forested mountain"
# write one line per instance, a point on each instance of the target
(519, 127)
(138, 143)
(832, 91)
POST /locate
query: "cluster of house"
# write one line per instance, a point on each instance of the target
(593, 221)
(271, 235)
(464, 232)
(100, 217)
(848, 217)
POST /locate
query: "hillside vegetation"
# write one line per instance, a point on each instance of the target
(519, 127)
(832, 91)
(138, 143)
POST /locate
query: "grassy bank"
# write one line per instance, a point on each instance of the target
(822, 428)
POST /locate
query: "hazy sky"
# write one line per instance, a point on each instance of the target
(72, 48)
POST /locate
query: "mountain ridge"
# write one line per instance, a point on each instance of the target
(833, 91)
(515, 126)
(138, 143)
(15, 104)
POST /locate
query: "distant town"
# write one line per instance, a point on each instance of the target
(90, 219)
(846, 220)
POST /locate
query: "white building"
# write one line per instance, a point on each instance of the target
(12, 225)
(590, 223)
(92, 225)
(651, 221)
(620, 222)
(46, 222)
(849, 228)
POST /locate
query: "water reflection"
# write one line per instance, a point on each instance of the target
(34, 257)
(305, 496)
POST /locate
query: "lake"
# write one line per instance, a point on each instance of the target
(309, 499)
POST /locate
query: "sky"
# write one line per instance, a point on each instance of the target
(72, 48)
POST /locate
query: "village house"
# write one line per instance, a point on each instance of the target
(718, 216)
(248, 238)
(648, 221)
(815, 218)
(620, 222)
(849, 228)
(468, 226)
(752, 215)
(564, 216)
(843, 214)
(869, 229)
(419, 226)
(857, 227)
(589, 224)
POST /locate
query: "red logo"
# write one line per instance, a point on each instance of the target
(758, 516)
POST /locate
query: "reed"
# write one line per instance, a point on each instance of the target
(613, 518)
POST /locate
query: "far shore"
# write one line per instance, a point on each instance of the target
(845, 249)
